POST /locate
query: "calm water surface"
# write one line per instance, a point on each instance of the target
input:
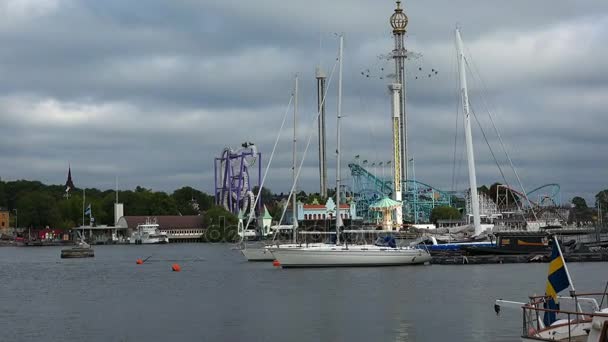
(220, 297)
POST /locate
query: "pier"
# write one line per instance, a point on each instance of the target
(456, 258)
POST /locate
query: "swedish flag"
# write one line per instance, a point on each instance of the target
(557, 281)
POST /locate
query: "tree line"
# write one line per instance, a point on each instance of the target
(36, 205)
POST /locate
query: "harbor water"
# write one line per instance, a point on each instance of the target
(218, 296)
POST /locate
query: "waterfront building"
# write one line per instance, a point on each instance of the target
(322, 212)
(178, 228)
(101, 234)
(4, 220)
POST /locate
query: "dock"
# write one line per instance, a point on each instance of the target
(462, 259)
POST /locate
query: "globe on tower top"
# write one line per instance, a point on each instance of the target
(398, 20)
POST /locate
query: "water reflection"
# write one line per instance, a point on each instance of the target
(225, 298)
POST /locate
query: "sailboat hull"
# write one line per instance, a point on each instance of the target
(351, 256)
(257, 254)
(264, 254)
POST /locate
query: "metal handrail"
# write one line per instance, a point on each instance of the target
(530, 307)
(576, 295)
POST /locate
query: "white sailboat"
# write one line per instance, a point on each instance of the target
(478, 229)
(260, 251)
(544, 320)
(332, 255)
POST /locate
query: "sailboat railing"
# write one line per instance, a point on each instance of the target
(533, 313)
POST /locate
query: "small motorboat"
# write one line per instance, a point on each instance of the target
(82, 250)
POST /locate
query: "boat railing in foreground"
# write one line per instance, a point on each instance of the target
(569, 326)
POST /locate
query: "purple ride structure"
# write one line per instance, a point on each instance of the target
(233, 188)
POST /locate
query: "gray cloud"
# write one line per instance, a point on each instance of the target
(152, 93)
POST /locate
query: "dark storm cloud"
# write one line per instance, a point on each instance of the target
(152, 91)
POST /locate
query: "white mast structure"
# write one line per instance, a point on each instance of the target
(293, 203)
(394, 88)
(468, 136)
(338, 218)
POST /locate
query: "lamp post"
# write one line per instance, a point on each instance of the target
(415, 191)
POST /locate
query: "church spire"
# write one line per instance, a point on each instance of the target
(69, 184)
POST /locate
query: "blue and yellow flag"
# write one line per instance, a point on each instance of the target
(557, 281)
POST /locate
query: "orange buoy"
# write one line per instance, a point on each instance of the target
(276, 263)
(176, 268)
(139, 261)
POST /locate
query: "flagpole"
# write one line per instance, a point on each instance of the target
(559, 249)
(573, 290)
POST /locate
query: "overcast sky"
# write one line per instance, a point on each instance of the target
(151, 91)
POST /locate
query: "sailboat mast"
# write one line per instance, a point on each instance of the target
(293, 204)
(116, 192)
(338, 221)
(468, 135)
(83, 200)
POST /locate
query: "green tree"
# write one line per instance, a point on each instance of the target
(579, 202)
(70, 210)
(580, 213)
(38, 210)
(444, 213)
(267, 196)
(316, 197)
(498, 190)
(189, 200)
(601, 200)
(458, 202)
(483, 189)
(3, 199)
(221, 225)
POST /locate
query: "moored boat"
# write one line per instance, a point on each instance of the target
(514, 242)
(257, 254)
(349, 255)
(148, 233)
(82, 250)
(545, 320)
(77, 252)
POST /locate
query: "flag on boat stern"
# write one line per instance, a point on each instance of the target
(88, 210)
(557, 281)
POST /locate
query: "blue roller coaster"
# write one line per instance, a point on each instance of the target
(419, 199)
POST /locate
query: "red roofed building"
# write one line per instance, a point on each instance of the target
(322, 212)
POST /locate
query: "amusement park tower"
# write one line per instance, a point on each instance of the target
(398, 22)
(396, 120)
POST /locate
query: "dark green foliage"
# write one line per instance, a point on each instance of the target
(38, 209)
(497, 190)
(221, 225)
(42, 205)
(601, 200)
(579, 202)
(580, 213)
(267, 195)
(459, 203)
(444, 213)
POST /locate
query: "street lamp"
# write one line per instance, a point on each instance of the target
(415, 191)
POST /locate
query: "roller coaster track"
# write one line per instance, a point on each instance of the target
(553, 196)
(419, 198)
